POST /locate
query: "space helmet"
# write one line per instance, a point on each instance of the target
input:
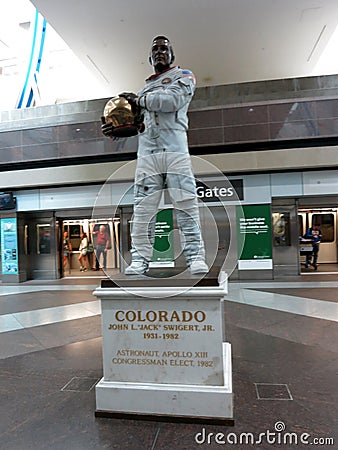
(125, 120)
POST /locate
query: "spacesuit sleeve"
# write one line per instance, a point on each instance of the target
(171, 98)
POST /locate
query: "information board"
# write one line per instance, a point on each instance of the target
(9, 246)
(163, 253)
(254, 237)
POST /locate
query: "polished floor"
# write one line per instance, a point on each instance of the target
(284, 339)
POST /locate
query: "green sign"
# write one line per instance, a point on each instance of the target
(163, 253)
(254, 237)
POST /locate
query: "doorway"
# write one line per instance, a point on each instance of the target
(326, 218)
(285, 237)
(71, 231)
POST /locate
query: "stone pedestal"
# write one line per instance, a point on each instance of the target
(164, 352)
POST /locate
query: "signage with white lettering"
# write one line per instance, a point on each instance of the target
(163, 252)
(216, 191)
(254, 237)
(219, 191)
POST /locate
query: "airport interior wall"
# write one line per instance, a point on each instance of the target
(277, 138)
(280, 125)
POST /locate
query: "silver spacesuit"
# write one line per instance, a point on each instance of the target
(164, 163)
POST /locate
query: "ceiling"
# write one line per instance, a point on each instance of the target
(221, 41)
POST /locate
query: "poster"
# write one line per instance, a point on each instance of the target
(254, 237)
(9, 246)
(163, 253)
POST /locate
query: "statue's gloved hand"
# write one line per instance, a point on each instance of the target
(107, 127)
(130, 97)
(139, 117)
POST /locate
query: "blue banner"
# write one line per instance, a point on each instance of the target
(9, 246)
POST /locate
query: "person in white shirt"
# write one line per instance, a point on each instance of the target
(83, 248)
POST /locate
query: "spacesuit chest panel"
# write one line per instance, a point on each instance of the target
(174, 84)
(161, 81)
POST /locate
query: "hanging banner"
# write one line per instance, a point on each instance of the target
(254, 237)
(163, 253)
(9, 246)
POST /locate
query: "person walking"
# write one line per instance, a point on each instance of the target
(83, 252)
(314, 233)
(67, 248)
(102, 243)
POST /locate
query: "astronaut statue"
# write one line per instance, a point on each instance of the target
(163, 160)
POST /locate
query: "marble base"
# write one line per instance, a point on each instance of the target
(193, 401)
(164, 350)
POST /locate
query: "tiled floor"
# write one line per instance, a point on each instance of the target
(284, 341)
